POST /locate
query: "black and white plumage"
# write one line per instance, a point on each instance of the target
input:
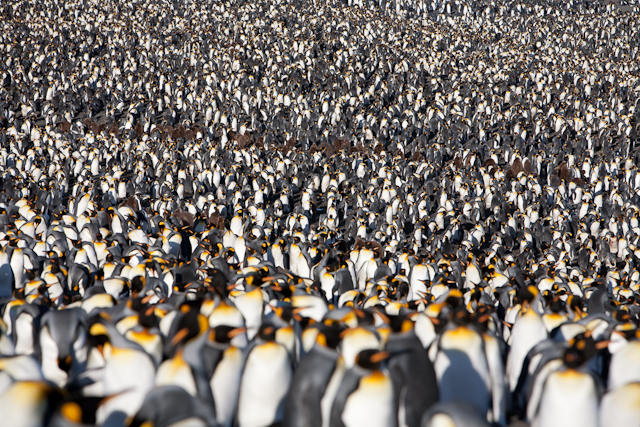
(437, 183)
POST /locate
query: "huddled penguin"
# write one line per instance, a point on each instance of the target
(365, 395)
(266, 376)
(394, 213)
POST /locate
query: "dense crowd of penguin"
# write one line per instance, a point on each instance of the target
(394, 213)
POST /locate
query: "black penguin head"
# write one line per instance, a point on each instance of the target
(460, 316)
(330, 334)
(223, 334)
(147, 318)
(371, 359)
(137, 285)
(267, 332)
(80, 410)
(573, 358)
(582, 348)
(526, 295)
(190, 325)
(399, 323)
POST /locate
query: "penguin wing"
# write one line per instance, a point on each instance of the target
(302, 404)
(343, 282)
(413, 375)
(211, 356)
(349, 384)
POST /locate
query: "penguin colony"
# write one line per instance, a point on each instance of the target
(309, 213)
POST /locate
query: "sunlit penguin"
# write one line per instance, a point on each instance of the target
(265, 380)
(461, 363)
(223, 363)
(570, 395)
(63, 350)
(128, 374)
(365, 395)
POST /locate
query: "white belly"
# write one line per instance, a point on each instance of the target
(264, 385)
(621, 407)
(225, 384)
(371, 404)
(569, 399)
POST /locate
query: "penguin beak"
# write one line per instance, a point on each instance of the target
(483, 318)
(235, 332)
(179, 336)
(380, 356)
(147, 299)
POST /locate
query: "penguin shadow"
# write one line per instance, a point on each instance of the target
(463, 384)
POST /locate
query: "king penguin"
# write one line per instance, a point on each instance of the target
(265, 380)
(528, 330)
(570, 395)
(303, 405)
(461, 363)
(365, 396)
(621, 407)
(413, 375)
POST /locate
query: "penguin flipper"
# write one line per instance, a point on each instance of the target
(349, 384)
(302, 404)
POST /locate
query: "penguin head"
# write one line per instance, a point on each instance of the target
(460, 316)
(267, 332)
(330, 334)
(137, 285)
(223, 334)
(371, 359)
(527, 295)
(582, 347)
(190, 325)
(573, 358)
(146, 316)
(399, 324)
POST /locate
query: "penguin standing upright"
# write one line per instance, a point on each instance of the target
(6, 275)
(29, 403)
(186, 367)
(303, 406)
(620, 407)
(63, 349)
(571, 394)
(624, 367)
(128, 374)
(413, 375)
(223, 362)
(265, 380)
(366, 395)
(461, 363)
(528, 330)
